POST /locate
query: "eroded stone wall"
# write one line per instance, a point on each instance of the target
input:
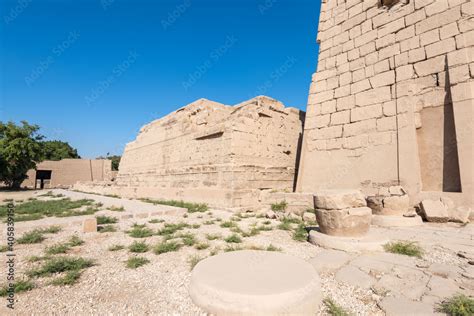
(385, 75)
(213, 153)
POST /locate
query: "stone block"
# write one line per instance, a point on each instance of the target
(434, 211)
(360, 127)
(342, 117)
(366, 112)
(373, 96)
(338, 199)
(89, 225)
(383, 79)
(430, 66)
(350, 222)
(396, 205)
(441, 47)
(460, 214)
(375, 203)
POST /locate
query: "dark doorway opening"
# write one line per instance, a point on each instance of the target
(42, 177)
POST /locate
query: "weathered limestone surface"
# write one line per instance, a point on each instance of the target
(391, 102)
(212, 153)
(253, 282)
(346, 222)
(67, 172)
(338, 199)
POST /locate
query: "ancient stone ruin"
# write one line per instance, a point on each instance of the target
(391, 102)
(390, 113)
(213, 153)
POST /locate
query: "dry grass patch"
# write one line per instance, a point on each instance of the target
(18, 287)
(167, 246)
(406, 248)
(136, 262)
(334, 309)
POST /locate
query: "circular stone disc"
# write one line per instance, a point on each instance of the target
(255, 282)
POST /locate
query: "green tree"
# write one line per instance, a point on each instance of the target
(115, 161)
(57, 150)
(20, 150)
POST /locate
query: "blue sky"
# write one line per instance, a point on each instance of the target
(92, 72)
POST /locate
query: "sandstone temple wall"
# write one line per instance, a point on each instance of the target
(391, 100)
(212, 153)
(67, 172)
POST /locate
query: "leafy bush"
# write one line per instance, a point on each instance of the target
(33, 210)
(230, 248)
(57, 249)
(192, 207)
(70, 278)
(188, 239)
(140, 231)
(116, 209)
(279, 206)
(116, 247)
(300, 233)
(33, 237)
(50, 230)
(234, 238)
(272, 248)
(107, 229)
(136, 262)
(170, 229)
(201, 246)
(406, 248)
(334, 309)
(156, 221)
(165, 247)
(194, 260)
(20, 286)
(213, 236)
(103, 220)
(75, 241)
(458, 305)
(138, 247)
(59, 265)
(228, 224)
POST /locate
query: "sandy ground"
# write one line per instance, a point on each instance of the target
(160, 287)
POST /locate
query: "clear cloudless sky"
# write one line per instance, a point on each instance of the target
(92, 72)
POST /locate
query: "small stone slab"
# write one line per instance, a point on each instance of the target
(373, 241)
(89, 225)
(434, 211)
(355, 277)
(328, 260)
(395, 306)
(254, 282)
(396, 221)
